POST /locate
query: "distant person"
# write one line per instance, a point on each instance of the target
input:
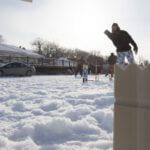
(85, 73)
(78, 70)
(122, 40)
(111, 61)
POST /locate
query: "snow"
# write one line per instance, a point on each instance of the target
(56, 113)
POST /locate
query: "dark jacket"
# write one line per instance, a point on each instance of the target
(122, 40)
(112, 59)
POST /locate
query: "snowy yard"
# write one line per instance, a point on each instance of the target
(56, 113)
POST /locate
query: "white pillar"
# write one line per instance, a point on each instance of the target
(132, 108)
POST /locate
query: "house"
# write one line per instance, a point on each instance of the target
(62, 61)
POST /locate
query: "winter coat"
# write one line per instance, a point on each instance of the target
(85, 73)
(112, 59)
(122, 40)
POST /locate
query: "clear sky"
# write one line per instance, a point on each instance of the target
(75, 23)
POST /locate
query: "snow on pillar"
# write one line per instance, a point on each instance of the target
(132, 108)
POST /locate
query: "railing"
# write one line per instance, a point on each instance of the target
(38, 61)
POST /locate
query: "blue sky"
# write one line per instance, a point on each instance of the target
(75, 23)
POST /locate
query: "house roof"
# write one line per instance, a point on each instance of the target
(16, 51)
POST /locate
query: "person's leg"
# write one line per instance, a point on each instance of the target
(76, 72)
(107, 70)
(130, 57)
(86, 79)
(120, 57)
(106, 73)
(112, 70)
(80, 72)
(83, 80)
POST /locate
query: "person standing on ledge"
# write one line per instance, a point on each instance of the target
(122, 40)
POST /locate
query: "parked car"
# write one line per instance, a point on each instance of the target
(17, 69)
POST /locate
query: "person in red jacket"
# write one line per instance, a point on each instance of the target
(122, 40)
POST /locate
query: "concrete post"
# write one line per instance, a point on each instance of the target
(132, 108)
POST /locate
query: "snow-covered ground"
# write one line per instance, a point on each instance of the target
(56, 113)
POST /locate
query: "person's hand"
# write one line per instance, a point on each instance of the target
(135, 50)
(106, 32)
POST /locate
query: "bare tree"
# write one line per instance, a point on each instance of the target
(38, 44)
(51, 49)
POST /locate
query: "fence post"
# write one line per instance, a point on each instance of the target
(27, 60)
(63, 62)
(53, 62)
(42, 61)
(132, 108)
(9, 59)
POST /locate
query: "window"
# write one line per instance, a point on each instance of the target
(16, 65)
(8, 66)
(23, 65)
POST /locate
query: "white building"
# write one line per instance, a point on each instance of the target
(62, 61)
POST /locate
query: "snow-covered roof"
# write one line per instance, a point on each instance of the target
(16, 51)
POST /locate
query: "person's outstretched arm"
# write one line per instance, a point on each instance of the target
(109, 34)
(133, 43)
